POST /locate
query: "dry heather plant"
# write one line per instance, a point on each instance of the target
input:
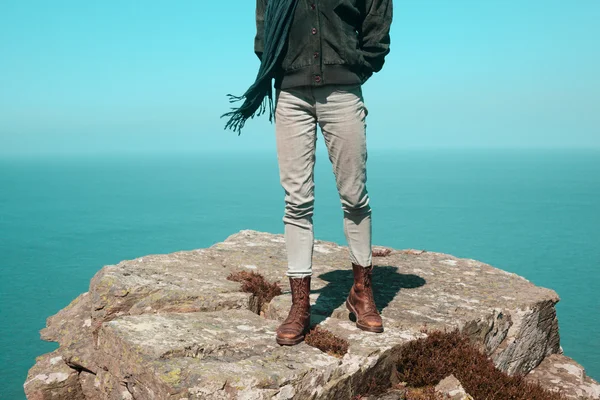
(426, 361)
(255, 283)
(423, 363)
(326, 341)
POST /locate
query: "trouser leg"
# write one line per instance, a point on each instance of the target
(341, 113)
(296, 135)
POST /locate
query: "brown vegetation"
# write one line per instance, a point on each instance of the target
(381, 252)
(255, 283)
(426, 361)
(326, 341)
(423, 363)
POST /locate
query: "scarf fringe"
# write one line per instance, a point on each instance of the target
(249, 109)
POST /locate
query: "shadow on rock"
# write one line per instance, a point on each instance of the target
(387, 282)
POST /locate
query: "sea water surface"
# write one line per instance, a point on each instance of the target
(532, 212)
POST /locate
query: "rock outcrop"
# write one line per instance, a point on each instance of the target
(173, 327)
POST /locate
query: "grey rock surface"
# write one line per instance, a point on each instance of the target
(558, 372)
(171, 326)
(452, 388)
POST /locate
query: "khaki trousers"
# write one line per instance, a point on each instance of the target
(340, 112)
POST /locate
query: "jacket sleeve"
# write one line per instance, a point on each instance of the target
(259, 39)
(375, 34)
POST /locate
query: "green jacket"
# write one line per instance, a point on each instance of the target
(331, 41)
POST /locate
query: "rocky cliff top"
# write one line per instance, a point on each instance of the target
(171, 326)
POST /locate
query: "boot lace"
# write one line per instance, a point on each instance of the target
(298, 299)
(370, 300)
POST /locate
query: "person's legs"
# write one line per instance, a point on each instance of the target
(341, 113)
(295, 131)
(296, 135)
(342, 116)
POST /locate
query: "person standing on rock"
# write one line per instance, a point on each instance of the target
(319, 53)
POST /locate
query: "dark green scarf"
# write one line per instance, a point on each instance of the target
(278, 19)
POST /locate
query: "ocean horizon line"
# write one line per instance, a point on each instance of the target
(255, 151)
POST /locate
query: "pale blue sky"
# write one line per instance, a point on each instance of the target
(152, 76)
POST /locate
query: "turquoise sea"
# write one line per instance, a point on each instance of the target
(532, 212)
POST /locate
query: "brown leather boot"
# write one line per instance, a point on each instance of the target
(360, 301)
(297, 323)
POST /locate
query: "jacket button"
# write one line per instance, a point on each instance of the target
(316, 55)
(313, 6)
(314, 31)
(318, 78)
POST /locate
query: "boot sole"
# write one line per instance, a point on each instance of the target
(376, 329)
(289, 342)
(294, 341)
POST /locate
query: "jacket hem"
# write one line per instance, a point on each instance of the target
(330, 74)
